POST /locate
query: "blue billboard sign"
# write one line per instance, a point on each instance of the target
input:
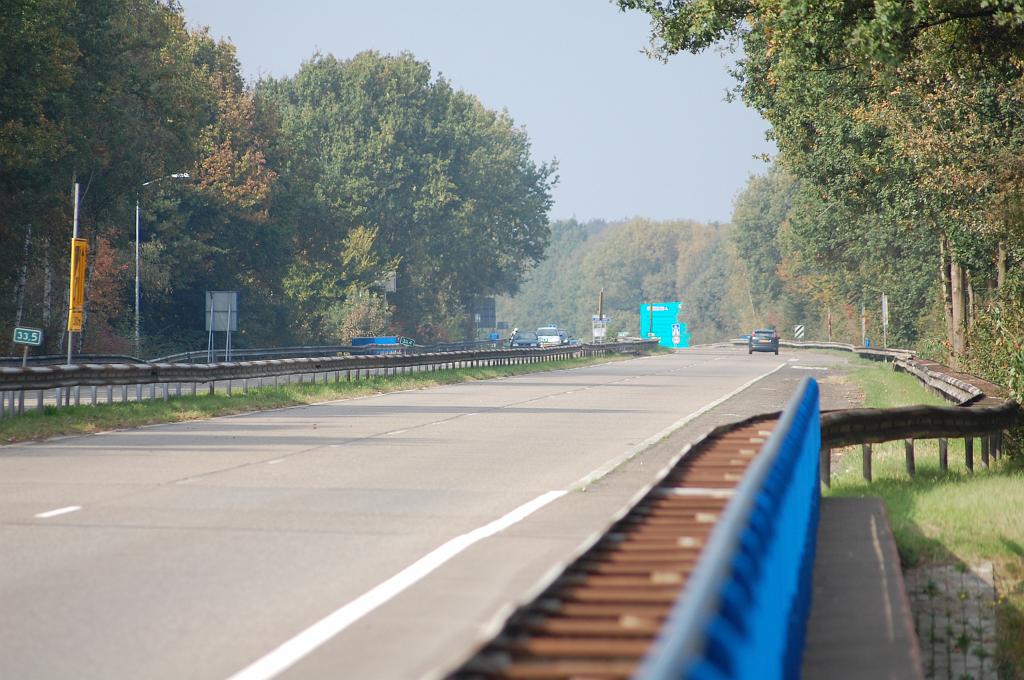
(666, 324)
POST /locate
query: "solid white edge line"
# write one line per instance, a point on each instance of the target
(59, 511)
(600, 472)
(291, 651)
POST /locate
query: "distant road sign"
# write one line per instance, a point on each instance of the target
(408, 342)
(28, 336)
(798, 332)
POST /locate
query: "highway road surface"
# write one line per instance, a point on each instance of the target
(377, 537)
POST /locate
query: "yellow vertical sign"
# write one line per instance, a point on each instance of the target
(76, 300)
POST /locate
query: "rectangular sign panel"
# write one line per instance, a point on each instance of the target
(28, 336)
(76, 299)
(221, 311)
(661, 320)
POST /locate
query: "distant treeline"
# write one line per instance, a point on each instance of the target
(304, 194)
(635, 262)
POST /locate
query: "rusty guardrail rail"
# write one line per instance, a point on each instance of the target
(16, 382)
(982, 411)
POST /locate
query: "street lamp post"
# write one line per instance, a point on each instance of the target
(138, 219)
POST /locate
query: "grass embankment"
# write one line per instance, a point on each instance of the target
(952, 517)
(74, 420)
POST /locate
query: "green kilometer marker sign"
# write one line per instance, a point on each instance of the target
(28, 336)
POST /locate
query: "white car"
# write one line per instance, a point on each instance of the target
(548, 336)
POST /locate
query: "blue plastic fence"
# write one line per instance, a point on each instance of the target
(744, 611)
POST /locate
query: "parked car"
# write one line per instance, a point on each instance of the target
(525, 339)
(549, 336)
(763, 340)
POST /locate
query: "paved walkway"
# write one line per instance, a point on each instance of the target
(860, 624)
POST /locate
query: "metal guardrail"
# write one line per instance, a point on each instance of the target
(742, 608)
(309, 351)
(743, 612)
(56, 359)
(15, 382)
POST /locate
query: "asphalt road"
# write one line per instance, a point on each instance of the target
(377, 537)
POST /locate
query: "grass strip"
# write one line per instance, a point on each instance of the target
(953, 517)
(77, 420)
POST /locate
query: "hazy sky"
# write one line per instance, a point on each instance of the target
(632, 136)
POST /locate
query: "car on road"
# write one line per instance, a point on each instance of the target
(549, 336)
(525, 339)
(763, 340)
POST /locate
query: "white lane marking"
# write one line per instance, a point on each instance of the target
(59, 511)
(397, 431)
(275, 461)
(291, 651)
(600, 472)
(811, 368)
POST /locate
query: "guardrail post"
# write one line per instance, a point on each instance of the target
(984, 451)
(866, 454)
(909, 446)
(124, 393)
(92, 396)
(78, 394)
(943, 454)
(3, 404)
(110, 394)
(826, 467)
(969, 453)
(40, 397)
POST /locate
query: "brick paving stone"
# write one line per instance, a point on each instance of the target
(954, 615)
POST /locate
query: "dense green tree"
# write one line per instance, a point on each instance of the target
(447, 187)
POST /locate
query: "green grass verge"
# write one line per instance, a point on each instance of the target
(74, 420)
(953, 517)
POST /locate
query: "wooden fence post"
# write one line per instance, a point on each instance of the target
(826, 467)
(969, 453)
(909, 447)
(984, 450)
(866, 453)
(943, 454)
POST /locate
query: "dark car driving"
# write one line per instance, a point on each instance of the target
(763, 340)
(525, 339)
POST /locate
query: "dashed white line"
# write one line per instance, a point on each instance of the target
(59, 511)
(275, 461)
(291, 651)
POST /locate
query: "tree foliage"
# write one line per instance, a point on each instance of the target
(633, 262)
(904, 124)
(303, 192)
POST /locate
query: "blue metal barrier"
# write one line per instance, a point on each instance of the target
(744, 611)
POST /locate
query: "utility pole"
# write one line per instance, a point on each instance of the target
(74, 235)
